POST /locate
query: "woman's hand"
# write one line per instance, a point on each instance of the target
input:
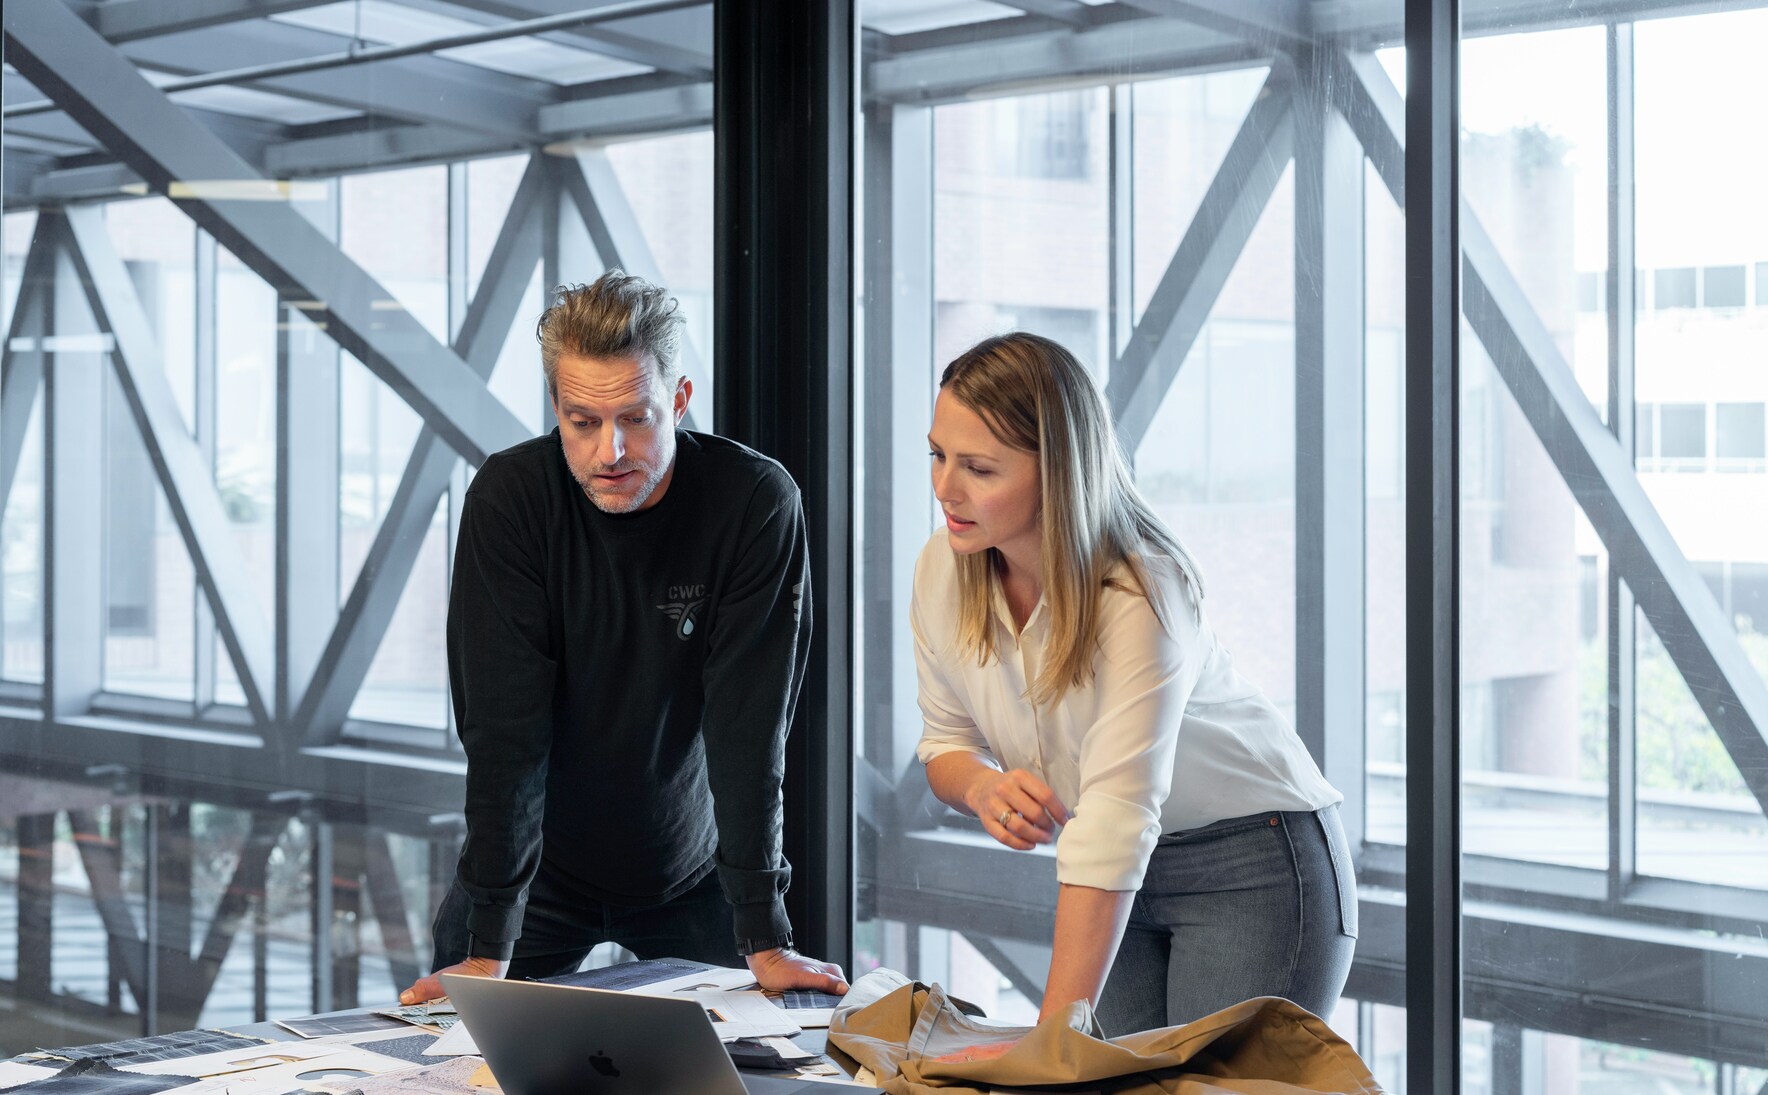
(1016, 808)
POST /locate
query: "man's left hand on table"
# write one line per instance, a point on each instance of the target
(783, 968)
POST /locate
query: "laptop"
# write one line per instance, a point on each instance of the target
(542, 1039)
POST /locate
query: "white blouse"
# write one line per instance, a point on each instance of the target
(1166, 736)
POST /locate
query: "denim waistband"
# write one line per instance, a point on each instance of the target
(1249, 819)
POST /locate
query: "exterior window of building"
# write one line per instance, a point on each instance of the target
(1645, 431)
(1738, 431)
(1589, 292)
(1048, 136)
(1762, 283)
(1683, 431)
(1722, 286)
(1674, 287)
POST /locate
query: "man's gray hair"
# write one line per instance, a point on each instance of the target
(617, 315)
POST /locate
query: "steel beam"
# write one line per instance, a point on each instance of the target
(195, 975)
(184, 475)
(375, 146)
(1279, 24)
(688, 106)
(50, 46)
(417, 89)
(606, 41)
(1007, 64)
(1072, 12)
(380, 877)
(35, 834)
(368, 611)
(588, 180)
(1187, 291)
(127, 20)
(248, 137)
(101, 857)
(400, 791)
(171, 918)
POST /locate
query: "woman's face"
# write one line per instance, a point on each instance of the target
(988, 489)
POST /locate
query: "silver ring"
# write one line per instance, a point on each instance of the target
(1002, 820)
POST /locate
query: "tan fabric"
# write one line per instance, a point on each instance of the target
(1265, 1046)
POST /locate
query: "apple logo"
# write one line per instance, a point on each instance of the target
(603, 1064)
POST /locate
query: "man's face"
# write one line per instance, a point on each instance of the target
(617, 423)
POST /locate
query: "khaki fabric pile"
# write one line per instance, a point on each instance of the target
(1267, 1046)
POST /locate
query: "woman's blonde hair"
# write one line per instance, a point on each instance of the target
(1037, 398)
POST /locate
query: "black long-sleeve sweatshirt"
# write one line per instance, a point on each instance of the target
(623, 684)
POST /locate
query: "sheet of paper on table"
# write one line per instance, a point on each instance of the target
(342, 1064)
(14, 1073)
(230, 1061)
(710, 980)
(742, 1014)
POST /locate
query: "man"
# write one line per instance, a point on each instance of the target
(628, 628)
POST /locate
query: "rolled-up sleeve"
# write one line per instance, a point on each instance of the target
(946, 724)
(1145, 676)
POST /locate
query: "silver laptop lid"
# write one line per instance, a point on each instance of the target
(553, 1039)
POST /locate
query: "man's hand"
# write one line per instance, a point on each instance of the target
(783, 968)
(430, 988)
(1017, 808)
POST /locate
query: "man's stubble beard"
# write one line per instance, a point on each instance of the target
(622, 503)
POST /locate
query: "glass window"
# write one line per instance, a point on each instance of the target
(1737, 431)
(1674, 288)
(1722, 286)
(1683, 429)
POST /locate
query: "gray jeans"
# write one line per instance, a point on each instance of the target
(1262, 905)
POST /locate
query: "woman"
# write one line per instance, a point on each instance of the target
(1074, 693)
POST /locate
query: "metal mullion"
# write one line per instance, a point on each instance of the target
(460, 271)
(1623, 790)
(73, 512)
(1329, 440)
(1121, 217)
(321, 867)
(898, 379)
(1433, 669)
(203, 278)
(308, 442)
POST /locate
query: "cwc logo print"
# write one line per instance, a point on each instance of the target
(684, 602)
